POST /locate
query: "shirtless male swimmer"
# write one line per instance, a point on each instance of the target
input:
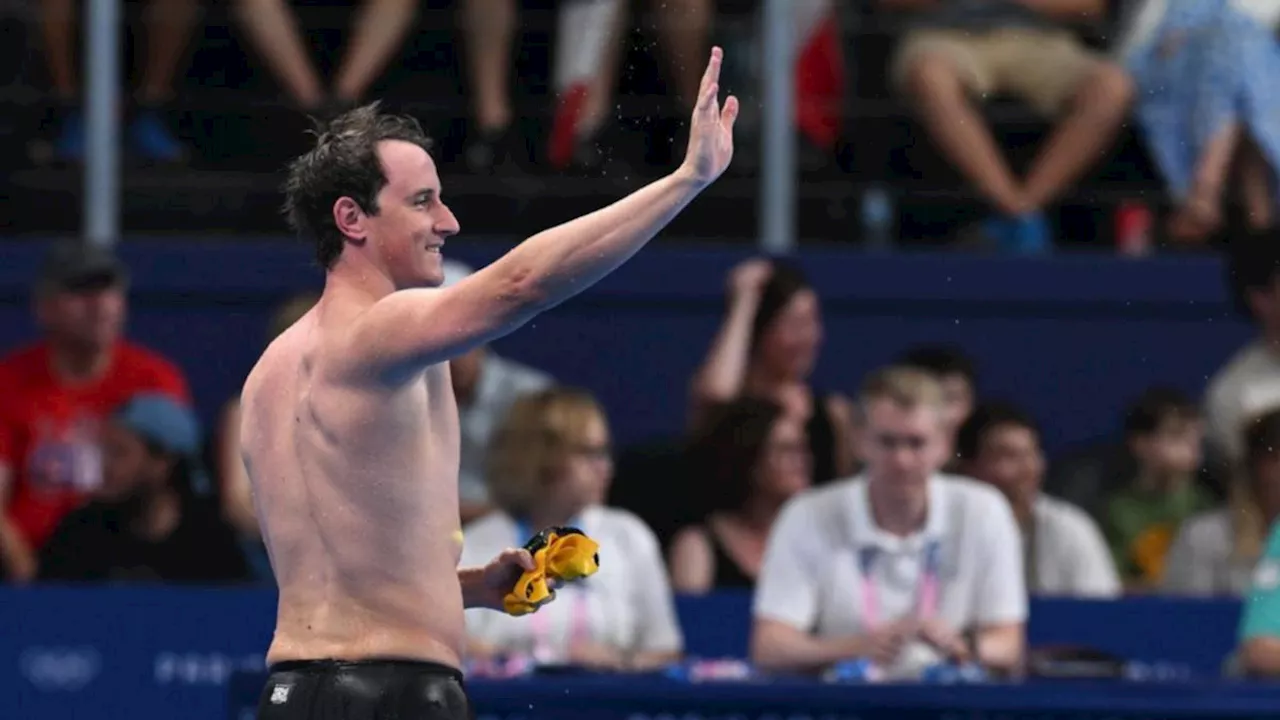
(350, 429)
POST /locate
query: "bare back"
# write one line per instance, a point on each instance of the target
(356, 490)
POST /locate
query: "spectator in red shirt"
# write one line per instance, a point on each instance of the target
(148, 522)
(55, 393)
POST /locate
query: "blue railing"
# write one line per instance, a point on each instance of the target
(165, 652)
(1072, 338)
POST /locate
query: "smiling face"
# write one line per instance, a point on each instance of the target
(412, 222)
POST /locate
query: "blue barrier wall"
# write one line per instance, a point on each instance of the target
(1073, 338)
(152, 653)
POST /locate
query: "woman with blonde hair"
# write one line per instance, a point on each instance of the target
(550, 465)
(1215, 552)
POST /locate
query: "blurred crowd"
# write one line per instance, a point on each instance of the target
(1193, 76)
(906, 519)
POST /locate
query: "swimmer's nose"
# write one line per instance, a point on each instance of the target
(446, 223)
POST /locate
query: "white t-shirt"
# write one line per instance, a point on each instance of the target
(502, 381)
(628, 604)
(1071, 557)
(1247, 386)
(1201, 560)
(812, 573)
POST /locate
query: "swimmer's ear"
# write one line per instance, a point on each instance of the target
(349, 217)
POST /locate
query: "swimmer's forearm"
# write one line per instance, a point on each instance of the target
(409, 330)
(565, 260)
(471, 579)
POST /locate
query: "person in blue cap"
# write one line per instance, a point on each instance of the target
(151, 519)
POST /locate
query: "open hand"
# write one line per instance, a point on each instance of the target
(711, 128)
(748, 278)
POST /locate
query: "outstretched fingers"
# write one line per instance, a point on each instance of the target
(710, 86)
(711, 75)
(729, 115)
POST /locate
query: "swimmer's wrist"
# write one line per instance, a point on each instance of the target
(471, 580)
(687, 179)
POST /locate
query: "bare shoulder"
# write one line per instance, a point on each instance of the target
(260, 375)
(280, 363)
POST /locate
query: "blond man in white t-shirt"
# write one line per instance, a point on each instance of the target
(901, 565)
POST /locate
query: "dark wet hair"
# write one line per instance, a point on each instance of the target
(343, 163)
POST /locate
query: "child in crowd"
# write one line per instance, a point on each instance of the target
(1164, 432)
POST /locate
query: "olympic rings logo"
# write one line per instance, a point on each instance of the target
(66, 669)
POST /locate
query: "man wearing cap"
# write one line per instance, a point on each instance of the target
(56, 392)
(486, 384)
(148, 520)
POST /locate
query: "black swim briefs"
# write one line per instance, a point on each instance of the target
(363, 690)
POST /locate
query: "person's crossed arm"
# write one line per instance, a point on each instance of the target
(786, 606)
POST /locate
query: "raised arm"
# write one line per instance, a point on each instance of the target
(413, 328)
(724, 369)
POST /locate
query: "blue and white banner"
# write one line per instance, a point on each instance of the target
(164, 653)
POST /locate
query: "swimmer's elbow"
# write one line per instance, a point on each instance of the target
(521, 289)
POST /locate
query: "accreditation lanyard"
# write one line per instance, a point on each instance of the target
(540, 621)
(926, 589)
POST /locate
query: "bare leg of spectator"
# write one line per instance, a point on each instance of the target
(1081, 138)
(379, 30)
(595, 38)
(600, 97)
(490, 27)
(1255, 187)
(169, 25)
(961, 133)
(57, 21)
(1201, 212)
(683, 28)
(273, 29)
